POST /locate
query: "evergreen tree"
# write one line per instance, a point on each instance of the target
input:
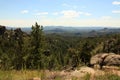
(36, 46)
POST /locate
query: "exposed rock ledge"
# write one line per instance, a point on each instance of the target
(105, 59)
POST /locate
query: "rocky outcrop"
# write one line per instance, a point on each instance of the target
(112, 60)
(2, 30)
(18, 33)
(105, 59)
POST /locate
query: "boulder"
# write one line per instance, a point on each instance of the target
(105, 59)
(97, 59)
(112, 60)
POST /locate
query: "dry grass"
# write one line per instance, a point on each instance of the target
(81, 74)
(20, 75)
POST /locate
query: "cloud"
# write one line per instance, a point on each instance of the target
(116, 11)
(55, 13)
(116, 3)
(70, 13)
(87, 14)
(106, 17)
(41, 13)
(74, 13)
(24, 11)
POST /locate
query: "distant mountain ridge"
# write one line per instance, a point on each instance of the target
(76, 31)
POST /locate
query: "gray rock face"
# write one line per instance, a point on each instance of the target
(105, 59)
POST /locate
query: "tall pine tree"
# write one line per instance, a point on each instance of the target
(36, 46)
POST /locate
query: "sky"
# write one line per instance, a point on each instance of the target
(75, 13)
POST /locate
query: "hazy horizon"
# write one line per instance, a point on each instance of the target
(65, 26)
(73, 13)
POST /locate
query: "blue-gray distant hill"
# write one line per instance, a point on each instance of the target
(76, 31)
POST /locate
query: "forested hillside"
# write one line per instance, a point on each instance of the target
(19, 50)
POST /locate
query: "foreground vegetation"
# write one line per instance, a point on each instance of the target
(44, 75)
